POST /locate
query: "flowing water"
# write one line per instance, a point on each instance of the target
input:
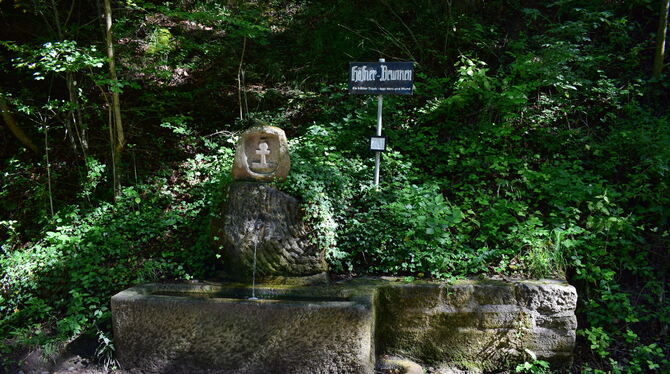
(253, 278)
(259, 229)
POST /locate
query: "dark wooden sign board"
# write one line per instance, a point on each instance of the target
(381, 78)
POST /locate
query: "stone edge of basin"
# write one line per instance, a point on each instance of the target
(477, 324)
(336, 292)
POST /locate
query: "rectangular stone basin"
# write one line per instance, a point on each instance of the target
(202, 327)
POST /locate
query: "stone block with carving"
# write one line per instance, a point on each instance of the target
(261, 230)
(259, 218)
(262, 155)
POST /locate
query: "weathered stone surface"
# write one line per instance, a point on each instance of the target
(478, 326)
(398, 365)
(261, 218)
(545, 298)
(468, 326)
(35, 362)
(194, 329)
(262, 155)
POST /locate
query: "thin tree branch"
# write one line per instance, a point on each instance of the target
(239, 78)
(13, 126)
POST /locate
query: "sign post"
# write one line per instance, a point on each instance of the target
(380, 78)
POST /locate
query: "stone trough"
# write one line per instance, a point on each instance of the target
(187, 328)
(473, 325)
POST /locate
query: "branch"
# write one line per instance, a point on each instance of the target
(14, 126)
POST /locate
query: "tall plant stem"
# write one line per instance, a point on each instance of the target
(112, 141)
(239, 78)
(661, 32)
(46, 151)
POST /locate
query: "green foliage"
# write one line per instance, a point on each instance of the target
(58, 287)
(160, 41)
(105, 351)
(19, 194)
(600, 341)
(408, 230)
(95, 174)
(55, 57)
(534, 367)
(325, 180)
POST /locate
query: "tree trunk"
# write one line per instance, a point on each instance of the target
(117, 137)
(659, 56)
(14, 126)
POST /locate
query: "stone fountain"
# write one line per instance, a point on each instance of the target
(262, 225)
(297, 323)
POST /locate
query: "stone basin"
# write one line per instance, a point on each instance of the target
(202, 327)
(474, 325)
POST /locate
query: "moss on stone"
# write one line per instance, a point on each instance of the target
(472, 324)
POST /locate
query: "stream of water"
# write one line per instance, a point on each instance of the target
(253, 277)
(259, 230)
